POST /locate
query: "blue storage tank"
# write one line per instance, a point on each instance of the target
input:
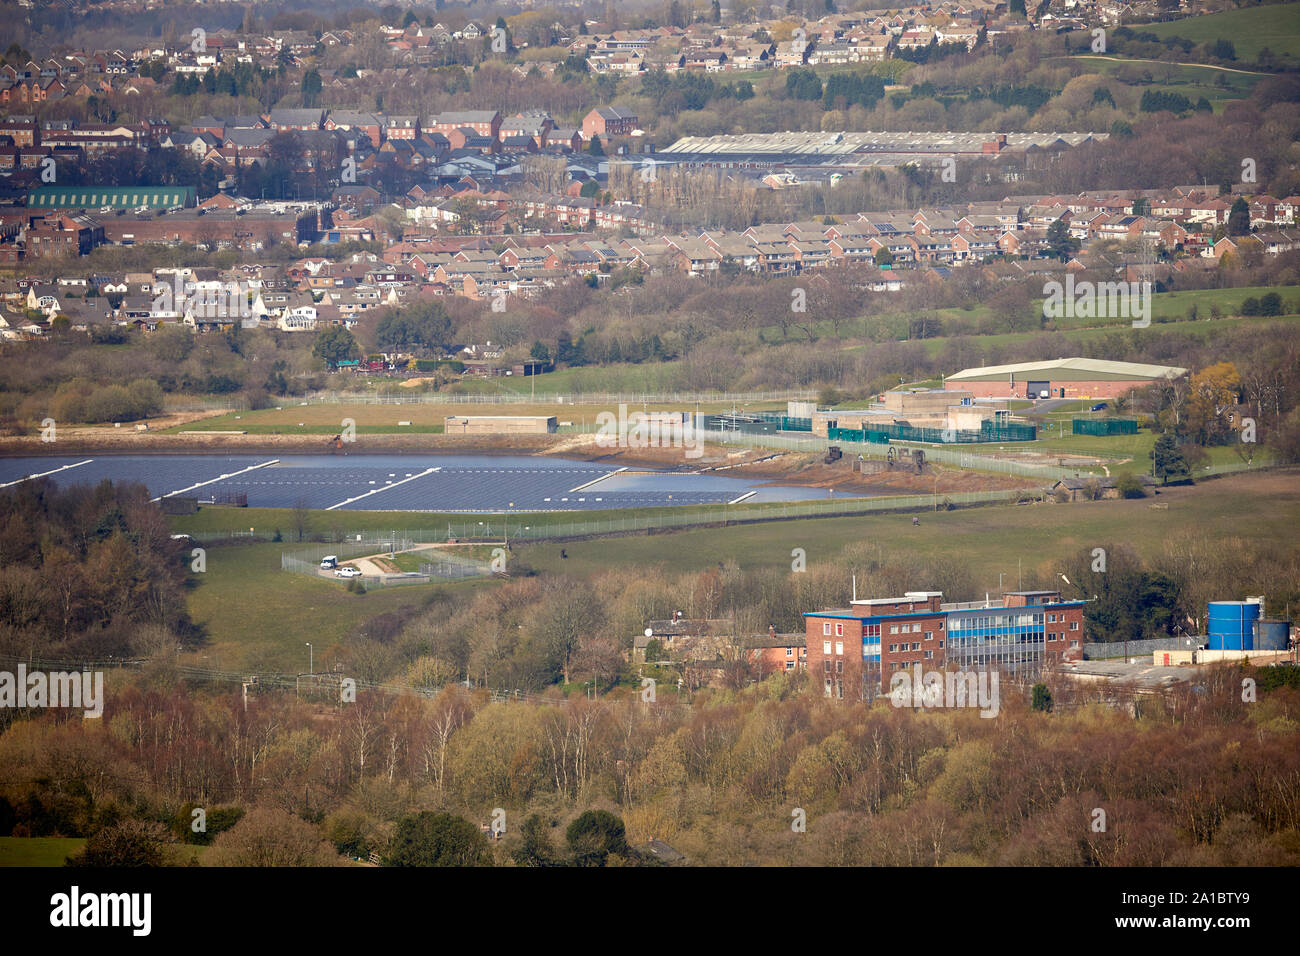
(1272, 635)
(1232, 625)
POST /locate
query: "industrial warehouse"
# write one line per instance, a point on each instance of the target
(1079, 378)
(852, 150)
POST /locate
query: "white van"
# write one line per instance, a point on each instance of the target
(329, 562)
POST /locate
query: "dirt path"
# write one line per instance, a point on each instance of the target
(1127, 59)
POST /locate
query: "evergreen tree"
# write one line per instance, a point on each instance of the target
(1059, 241)
(336, 344)
(1239, 218)
(594, 836)
(1168, 460)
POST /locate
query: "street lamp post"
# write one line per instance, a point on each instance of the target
(311, 664)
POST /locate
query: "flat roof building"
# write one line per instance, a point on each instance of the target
(500, 425)
(855, 651)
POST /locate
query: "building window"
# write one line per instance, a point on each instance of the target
(893, 648)
(1074, 643)
(941, 643)
(893, 629)
(929, 655)
(826, 647)
(929, 635)
(839, 630)
(839, 667)
(826, 627)
(826, 666)
(916, 646)
(1074, 625)
(839, 648)
(789, 652)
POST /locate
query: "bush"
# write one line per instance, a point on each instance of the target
(594, 835)
(1130, 487)
(132, 843)
(437, 839)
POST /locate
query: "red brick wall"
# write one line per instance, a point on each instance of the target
(1004, 389)
(845, 657)
(773, 660)
(1059, 633)
(903, 655)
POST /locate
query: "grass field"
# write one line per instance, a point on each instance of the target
(327, 418)
(260, 618)
(991, 539)
(38, 851)
(1191, 80)
(1276, 26)
(1167, 308)
(54, 851)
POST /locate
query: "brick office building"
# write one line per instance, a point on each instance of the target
(855, 651)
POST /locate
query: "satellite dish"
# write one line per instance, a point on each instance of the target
(649, 632)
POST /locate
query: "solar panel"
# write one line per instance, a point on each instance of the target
(467, 483)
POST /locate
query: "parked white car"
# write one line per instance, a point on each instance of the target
(347, 572)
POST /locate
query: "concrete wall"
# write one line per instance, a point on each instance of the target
(924, 402)
(1136, 649)
(499, 425)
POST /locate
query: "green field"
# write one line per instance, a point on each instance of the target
(1167, 308)
(54, 851)
(991, 539)
(38, 851)
(326, 418)
(1251, 29)
(259, 617)
(1192, 80)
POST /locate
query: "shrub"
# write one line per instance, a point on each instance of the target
(1130, 487)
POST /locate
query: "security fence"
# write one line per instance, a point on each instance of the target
(443, 566)
(874, 449)
(574, 397)
(506, 530)
(757, 423)
(988, 432)
(1104, 426)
